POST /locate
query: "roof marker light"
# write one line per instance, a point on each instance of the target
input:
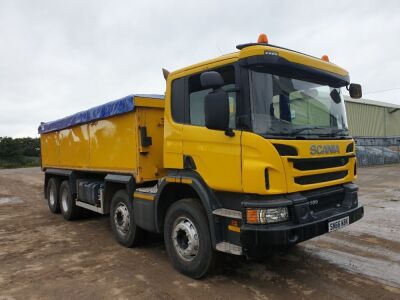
(325, 58)
(262, 39)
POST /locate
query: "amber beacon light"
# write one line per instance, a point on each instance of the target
(325, 58)
(262, 39)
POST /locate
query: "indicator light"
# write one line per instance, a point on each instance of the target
(252, 216)
(268, 215)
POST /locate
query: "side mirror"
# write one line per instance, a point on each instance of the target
(211, 80)
(355, 91)
(216, 103)
(216, 109)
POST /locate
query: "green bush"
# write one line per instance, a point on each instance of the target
(19, 152)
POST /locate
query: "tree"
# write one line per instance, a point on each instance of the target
(10, 149)
(30, 146)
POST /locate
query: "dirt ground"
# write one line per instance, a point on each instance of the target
(43, 256)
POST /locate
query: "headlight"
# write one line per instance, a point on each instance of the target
(267, 215)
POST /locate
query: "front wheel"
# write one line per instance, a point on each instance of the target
(187, 238)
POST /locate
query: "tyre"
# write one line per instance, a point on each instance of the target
(67, 203)
(52, 193)
(187, 238)
(122, 221)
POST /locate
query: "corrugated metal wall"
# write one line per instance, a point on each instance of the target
(393, 122)
(367, 120)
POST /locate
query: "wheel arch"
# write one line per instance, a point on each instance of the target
(114, 183)
(60, 174)
(185, 185)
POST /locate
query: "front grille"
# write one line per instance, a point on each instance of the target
(317, 178)
(325, 203)
(286, 150)
(350, 148)
(307, 164)
(325, 198)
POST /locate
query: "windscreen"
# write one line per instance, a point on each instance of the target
(287, 106)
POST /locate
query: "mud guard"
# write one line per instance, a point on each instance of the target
(205, 194)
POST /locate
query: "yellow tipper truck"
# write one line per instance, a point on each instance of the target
(245, 153)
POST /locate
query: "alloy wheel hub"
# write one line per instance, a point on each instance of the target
(122, 218)
(185, 238)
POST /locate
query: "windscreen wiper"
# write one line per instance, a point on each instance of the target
(298, 130)
(336, 131)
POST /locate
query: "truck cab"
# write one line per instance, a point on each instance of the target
(264, 132)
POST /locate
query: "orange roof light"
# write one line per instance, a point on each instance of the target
(262, 39)
(325, 58)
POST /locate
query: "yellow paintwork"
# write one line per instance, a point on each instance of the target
(74, 146)
(179, 180)
(50, 150)
(186, 181)
(259, 50)
(234, 228)
(150, 159)
(259, 153)
(173, 157)
(144, 196)
(111, 144)
(171, 179)
(217, 156)
(149, 102)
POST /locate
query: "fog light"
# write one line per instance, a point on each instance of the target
(267, 216)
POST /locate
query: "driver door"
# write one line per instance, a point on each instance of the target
(216, 156)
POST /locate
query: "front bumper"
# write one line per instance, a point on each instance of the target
(254, 236)
(307, 221)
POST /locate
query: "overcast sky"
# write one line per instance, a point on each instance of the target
(60, 57)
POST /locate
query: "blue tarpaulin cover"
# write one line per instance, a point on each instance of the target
(106, 110)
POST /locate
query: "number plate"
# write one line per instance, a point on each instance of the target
(337, 224)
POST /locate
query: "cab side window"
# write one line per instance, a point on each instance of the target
(178, 100)
(197, 95)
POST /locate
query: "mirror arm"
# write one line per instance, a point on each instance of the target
(229, 132)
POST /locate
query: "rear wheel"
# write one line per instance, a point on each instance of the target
(53, 189)
(187, 238)
(67, 204)
(122, 221)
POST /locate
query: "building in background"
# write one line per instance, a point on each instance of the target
(376, 128)
(368, 118)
